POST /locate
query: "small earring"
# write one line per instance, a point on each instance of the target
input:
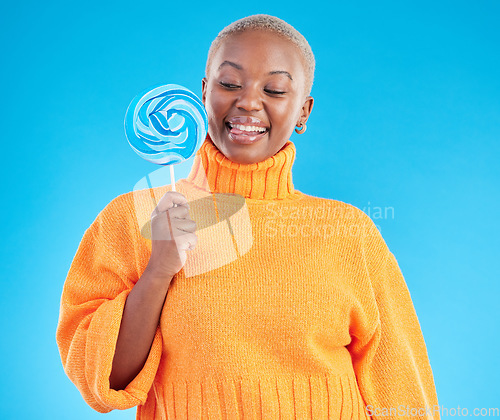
(303, 128)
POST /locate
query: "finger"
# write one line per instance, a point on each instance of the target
(169, 199)
(181, 212)
(188, 240)
(194, 239)
(186, 225)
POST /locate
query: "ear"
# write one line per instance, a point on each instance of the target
(306, 110)
(204, 83)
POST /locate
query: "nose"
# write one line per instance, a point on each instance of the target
(249, 99)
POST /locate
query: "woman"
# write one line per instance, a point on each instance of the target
(287, 305)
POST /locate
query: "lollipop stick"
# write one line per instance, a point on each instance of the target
(172, 177)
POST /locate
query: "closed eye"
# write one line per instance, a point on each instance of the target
(229, 85)
(274, 92)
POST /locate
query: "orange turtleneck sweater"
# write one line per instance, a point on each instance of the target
(290, 306)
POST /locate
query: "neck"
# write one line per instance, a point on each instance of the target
(270, 179)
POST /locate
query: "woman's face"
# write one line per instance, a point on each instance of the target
(256, 82)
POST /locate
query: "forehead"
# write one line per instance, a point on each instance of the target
(260, 51)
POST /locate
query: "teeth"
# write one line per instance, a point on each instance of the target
(247, 127)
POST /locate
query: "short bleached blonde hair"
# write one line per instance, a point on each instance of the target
(272, 24)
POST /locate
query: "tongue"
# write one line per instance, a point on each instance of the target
(235, 130)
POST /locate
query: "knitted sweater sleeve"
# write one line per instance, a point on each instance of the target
(390, 360)
(98, 283)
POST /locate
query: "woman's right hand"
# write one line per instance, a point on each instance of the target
(172, 234)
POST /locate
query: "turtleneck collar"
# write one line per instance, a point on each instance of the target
(270, 179)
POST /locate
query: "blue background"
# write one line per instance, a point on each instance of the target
(406, 117)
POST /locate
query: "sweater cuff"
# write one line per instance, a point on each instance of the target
(100, 349)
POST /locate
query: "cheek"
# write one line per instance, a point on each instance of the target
(283, 115)
(217, 104)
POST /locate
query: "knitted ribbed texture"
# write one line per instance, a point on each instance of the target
(290, 306)
(270, 179)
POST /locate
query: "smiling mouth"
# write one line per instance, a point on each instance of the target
(246, 129)
(245, 134)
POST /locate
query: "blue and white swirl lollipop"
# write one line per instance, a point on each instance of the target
(166, 125)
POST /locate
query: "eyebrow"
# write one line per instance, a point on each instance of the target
(237, 66)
